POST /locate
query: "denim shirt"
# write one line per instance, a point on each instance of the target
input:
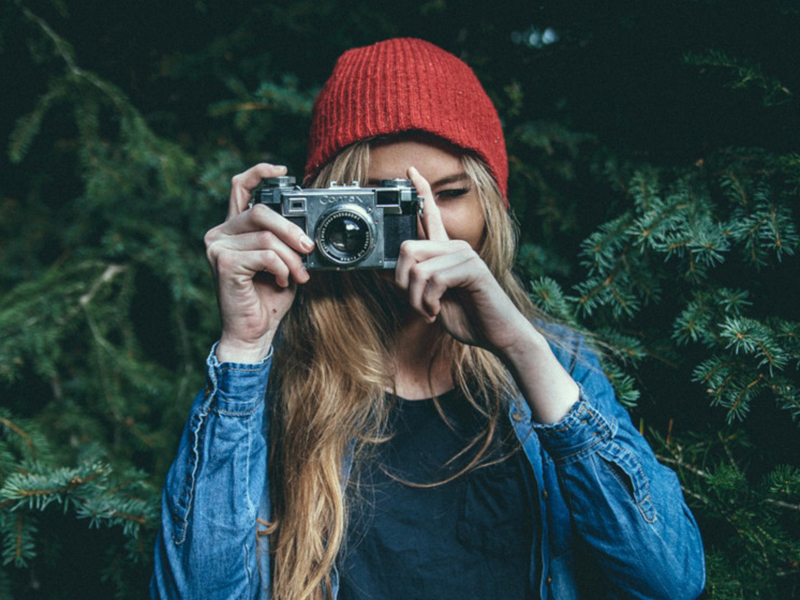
(611, 516)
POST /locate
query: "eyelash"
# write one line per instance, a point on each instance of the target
(452, 193)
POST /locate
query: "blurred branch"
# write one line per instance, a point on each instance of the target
(702, 474)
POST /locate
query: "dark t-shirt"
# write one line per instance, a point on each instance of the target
(469, 538)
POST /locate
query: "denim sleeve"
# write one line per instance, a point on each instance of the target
(215, 504)
(627, 507)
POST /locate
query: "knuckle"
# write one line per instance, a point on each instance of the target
(269, 258)
(417, 271)
(273, 264)
(266, 217)
(211, 257)
(259, 214)
(211, 236)
(437, 280)
(211, 253)
(429, 302)
(406, 249)
(266, 238)
(260, 211)
(226, 260)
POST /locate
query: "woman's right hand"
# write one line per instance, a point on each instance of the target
(255, 258)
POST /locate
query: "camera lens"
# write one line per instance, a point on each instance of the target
(345, 235)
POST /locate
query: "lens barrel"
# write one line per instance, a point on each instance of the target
(345, 235)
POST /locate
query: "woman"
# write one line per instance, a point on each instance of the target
(420, 433)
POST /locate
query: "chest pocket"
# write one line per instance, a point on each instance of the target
(494, 510)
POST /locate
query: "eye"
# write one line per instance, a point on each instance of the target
(452, 193)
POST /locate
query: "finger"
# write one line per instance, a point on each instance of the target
(261, 218)
(261, 241)
(431, 216)
(429, 280)
(417, 251)
(243, 184)
(233, 267)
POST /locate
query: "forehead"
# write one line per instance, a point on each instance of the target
(433, 160)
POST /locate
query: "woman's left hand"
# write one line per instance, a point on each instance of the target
(446, 280)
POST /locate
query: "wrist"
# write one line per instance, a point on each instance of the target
(527, 343)
(547, 387)
(238, 351)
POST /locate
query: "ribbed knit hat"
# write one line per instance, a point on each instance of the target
(402, 85)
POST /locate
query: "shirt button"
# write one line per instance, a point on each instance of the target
(549, 580)
(544, 494)
(517, 416)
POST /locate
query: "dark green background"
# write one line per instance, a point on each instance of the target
(694, 88)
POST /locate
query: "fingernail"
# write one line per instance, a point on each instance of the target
(306, 244)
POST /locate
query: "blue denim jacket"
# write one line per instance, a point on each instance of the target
(610, 513)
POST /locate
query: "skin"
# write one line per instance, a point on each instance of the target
(255, 257)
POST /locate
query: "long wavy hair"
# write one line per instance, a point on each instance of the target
(333, 368)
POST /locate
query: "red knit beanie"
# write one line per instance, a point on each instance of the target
(402, 85)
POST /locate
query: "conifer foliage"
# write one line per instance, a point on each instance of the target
(655, 178)
(671, 285)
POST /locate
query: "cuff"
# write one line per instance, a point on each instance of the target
(236, 387)
(579, 433)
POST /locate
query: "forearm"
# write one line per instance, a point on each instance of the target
(215, 492)
(548, 389)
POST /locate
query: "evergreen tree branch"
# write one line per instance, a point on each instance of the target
(704, 475)
(745, 74)
(21, 432)
(67, 53)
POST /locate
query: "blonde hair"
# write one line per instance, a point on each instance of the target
(334, 367)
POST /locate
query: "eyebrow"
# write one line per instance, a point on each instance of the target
(439, 182)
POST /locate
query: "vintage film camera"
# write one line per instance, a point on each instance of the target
(352, 227)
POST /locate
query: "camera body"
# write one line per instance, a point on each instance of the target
(352, 227)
